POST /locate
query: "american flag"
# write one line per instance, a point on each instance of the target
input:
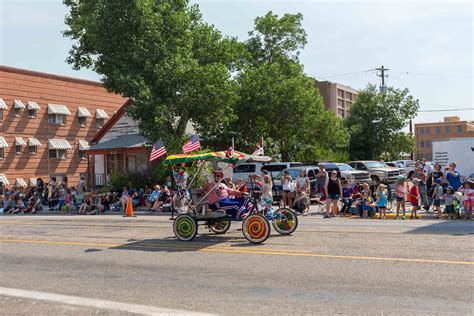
(192, 145)
(157, 151)
(259, 149)
(229, 152)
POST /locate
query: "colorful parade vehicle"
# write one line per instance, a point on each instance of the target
(194, 210)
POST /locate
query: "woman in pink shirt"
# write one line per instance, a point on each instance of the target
(218, 196)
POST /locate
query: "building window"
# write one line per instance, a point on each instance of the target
(18, 149)
(1, 115)
(82, 154)
(428, 130)
(17, 111)
(459, 128)
(340, 93)
(32, 112)
(57, 119)
(438, 130)
(422, 144)
(32, 149)
(448, 129)
(2, 153)
(349, 95)
(340, 103)
(99, 122)
(82, 120)
(57, 153)
(422, 130)
(428, 143)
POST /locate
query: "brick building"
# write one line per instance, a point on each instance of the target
(46, 122)
(337, 97)
(451, 127)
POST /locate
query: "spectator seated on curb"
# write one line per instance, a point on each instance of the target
(19, 206)
(8, 204)
(301, 202)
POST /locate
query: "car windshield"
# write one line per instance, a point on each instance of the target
(345, 167)
(374, 164)
(294, 173)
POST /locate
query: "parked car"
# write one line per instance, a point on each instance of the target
(378, 171)
(409, 166)
(245, 170)
(353, 176)
(311, 171)
(396, 165)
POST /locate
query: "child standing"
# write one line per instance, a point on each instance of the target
(400, 192)
(468, 199)
(436, 197)
(414, 198)
(448, 198)
(382, 198)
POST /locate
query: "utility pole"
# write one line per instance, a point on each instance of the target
(382, 74)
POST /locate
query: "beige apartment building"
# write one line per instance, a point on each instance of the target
(337, 97)
(451, 127)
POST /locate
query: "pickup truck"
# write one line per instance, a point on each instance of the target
(377, 170)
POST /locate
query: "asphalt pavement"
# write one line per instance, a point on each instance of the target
(110, 265)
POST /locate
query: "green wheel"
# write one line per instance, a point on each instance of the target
(185, 227)
(285, 221)
(256, 228)
(219, 227)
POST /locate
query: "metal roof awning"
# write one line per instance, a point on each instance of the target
(3, 105)
(4, 179)
(17, 104)
(20, 183)
(33, 142)
(100, 114)
(84, 145)
(33, 105)
(3, 143)
(19, 141)
(83, 112)
(59, 144)
(58, 109)
(33, 182)
(124, 141)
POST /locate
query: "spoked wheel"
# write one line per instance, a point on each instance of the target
(219, 227)
(285, 221)
(256, 228)
(185, 227)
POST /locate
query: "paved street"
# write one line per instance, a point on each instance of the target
(125, 266)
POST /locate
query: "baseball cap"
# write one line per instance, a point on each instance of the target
(438, 180)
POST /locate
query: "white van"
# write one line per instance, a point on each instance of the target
(245, 170)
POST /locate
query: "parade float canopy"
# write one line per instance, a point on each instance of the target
(236, 157)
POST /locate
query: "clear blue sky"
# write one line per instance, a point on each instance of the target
(432, 41)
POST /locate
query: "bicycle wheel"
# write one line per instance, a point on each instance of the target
(185, 227)
(285, 221)
(219, 227)
(256, 228)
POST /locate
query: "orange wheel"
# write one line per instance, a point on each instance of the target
(256, 228)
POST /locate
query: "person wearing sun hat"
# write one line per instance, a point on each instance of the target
(400, 192)
(217, 194)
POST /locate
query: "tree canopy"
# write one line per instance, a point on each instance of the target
(376, 121)
(162, 54)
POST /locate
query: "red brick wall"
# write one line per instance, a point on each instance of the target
(44, 89)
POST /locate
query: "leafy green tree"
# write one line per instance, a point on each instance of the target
(278, 101)
(160, 53)
(376, 121)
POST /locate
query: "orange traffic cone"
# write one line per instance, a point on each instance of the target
(129, 210)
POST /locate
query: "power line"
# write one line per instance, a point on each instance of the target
(347, 74)
(431, 74)
(448, 110)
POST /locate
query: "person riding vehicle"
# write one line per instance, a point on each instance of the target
(218, 196)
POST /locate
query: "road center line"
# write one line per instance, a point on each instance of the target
(90, 302)
(231, 249)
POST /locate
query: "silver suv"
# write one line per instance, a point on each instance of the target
(378, 171)
(353, 176)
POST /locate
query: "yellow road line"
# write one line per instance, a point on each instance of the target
(223, 249)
